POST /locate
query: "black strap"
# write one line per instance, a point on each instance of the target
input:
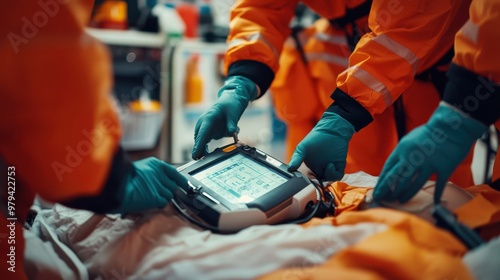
(435, 74)
(445, 219)
(295, 35)
(352, 15)
(399, 117)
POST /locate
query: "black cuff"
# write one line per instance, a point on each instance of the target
(349, 109)
(258, 72)
(474, 94)
(112, 193)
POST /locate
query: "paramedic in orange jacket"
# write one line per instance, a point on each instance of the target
(257, 34)
(59, 129)
(405, 39)
(471, 104)
(403, 42)
(301, 91)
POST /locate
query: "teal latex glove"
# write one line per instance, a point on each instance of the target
(222, 118)
(437, 147)
(324, 149)
(150, 185)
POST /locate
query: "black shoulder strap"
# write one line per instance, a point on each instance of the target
(295, 35)
(348, 21)
(352, 14)
(399, 117)
(436, 76)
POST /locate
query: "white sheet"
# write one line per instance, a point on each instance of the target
(484, 262)
(161, 245)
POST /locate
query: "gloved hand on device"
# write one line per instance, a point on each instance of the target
(150, 184)
(221, 120)
(437, 147)
(324, 149)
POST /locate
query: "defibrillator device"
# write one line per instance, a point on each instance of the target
(238, 186)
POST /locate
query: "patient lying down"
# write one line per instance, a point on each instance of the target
(373, 244)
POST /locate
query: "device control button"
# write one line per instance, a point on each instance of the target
(193, 190)
(229, 148)
(261, 153)
(210, 198)
(247, 148)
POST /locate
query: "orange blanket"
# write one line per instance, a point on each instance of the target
(411, 248)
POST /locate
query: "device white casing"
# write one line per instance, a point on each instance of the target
(246, 217)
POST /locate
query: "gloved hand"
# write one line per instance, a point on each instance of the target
(436, 147)
(222, 118)
(149, 185)
(324, 149)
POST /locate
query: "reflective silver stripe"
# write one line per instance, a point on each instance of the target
(470, 31)
(335, 59)
(371, 82)
(235, 42)
(333, 39)
(254, 37)
(398, 49)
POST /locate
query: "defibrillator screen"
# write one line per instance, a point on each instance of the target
(239, 179)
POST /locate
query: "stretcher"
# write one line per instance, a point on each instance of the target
(367, 244)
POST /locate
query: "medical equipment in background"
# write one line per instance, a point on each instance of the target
(238, 186)
(137, 83)
(142, 121)
(194, 76)
(151, 62)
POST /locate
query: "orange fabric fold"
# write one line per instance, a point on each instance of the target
(482, 212)
(347, 198)
(410, 248)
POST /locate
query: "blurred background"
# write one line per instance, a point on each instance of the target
(167, 61)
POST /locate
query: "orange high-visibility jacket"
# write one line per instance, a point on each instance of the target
(474, 88)
(304, 82)
(403, 33)
(406, 37)
(59, 129)
(475, 73)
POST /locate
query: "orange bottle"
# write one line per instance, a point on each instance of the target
(194, 81)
